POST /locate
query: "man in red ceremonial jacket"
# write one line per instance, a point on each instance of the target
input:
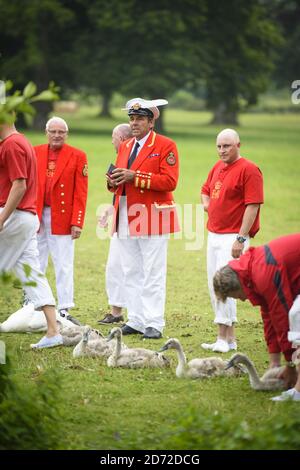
(269, 276)
(61, 204)
(145, 215)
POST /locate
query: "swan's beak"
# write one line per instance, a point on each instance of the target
(163, 348)
(85, 337)
(110, 337)
(229, 365)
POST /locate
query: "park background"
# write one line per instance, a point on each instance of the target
(219, 64)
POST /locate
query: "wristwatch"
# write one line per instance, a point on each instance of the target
(241, 239)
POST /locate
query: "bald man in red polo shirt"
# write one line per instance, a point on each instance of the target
(231, 195)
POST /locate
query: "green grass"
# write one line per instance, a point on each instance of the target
(134, 409)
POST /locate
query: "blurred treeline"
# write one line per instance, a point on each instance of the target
(219, 54)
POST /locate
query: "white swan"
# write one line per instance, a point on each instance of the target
(133, 357)
(199, 368)
(29, 320)
(269, 381)
(98, 347)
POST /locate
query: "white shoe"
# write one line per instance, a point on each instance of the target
(291, 394)
(46, 342)
(232, 346)
(208, 346)
(221, 346)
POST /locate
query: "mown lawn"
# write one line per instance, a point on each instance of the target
(138, 409)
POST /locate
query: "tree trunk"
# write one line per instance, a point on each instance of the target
(42, 114)
(159, 124)
(105, 112)
(224, 115)
(43, 108)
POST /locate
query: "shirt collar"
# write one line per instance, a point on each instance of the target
(142, 141)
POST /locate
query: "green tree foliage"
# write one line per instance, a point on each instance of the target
(22, 102)
(29, 416)
(240, 45)
(143, 49)
(213, 431)
(35, 44)
(139, 49)
(287, 15)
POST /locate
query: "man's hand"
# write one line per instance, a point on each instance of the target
(122, 175)
(110, 182)
(75, 232)
(296, 357)
(289, 376)
(237, 249)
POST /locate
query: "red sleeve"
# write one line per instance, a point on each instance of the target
(80, 191)
(253, 186)
(205, 188)
(167, 178)
(16, 162)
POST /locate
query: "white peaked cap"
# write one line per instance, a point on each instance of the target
(139, 103)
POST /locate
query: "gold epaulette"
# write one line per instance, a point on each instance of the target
(142, 180)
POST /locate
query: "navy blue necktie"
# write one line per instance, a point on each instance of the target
(133, 155)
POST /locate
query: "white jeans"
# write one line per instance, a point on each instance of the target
(144, 263)
(18, 247)
(114, 275)
(294, 323)
(61, 249)
(218, 255)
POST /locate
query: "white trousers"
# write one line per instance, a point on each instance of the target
(294, 323)
(19, 254)
(144, 263)
(218, 255)
(114, 276)
(61, 249)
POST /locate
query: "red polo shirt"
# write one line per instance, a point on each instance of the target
(231, 188)
(17, 160)
(270, 277)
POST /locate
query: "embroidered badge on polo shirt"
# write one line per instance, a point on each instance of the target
(85, 170)
(171, 159)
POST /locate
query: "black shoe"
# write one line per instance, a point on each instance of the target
(64, 313)
(127, 330)
(109, 318)
(152, 333)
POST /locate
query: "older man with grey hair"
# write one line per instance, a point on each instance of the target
(231, 196)
(61, 204)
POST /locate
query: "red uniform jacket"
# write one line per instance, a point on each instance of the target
(150, 202)
(69, 188)
(270, 277)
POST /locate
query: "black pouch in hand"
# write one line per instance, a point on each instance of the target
(110, 170)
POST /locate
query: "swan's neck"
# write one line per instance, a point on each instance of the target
(84, 345)
(181, 367)
(255, 381)
(117, 351)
